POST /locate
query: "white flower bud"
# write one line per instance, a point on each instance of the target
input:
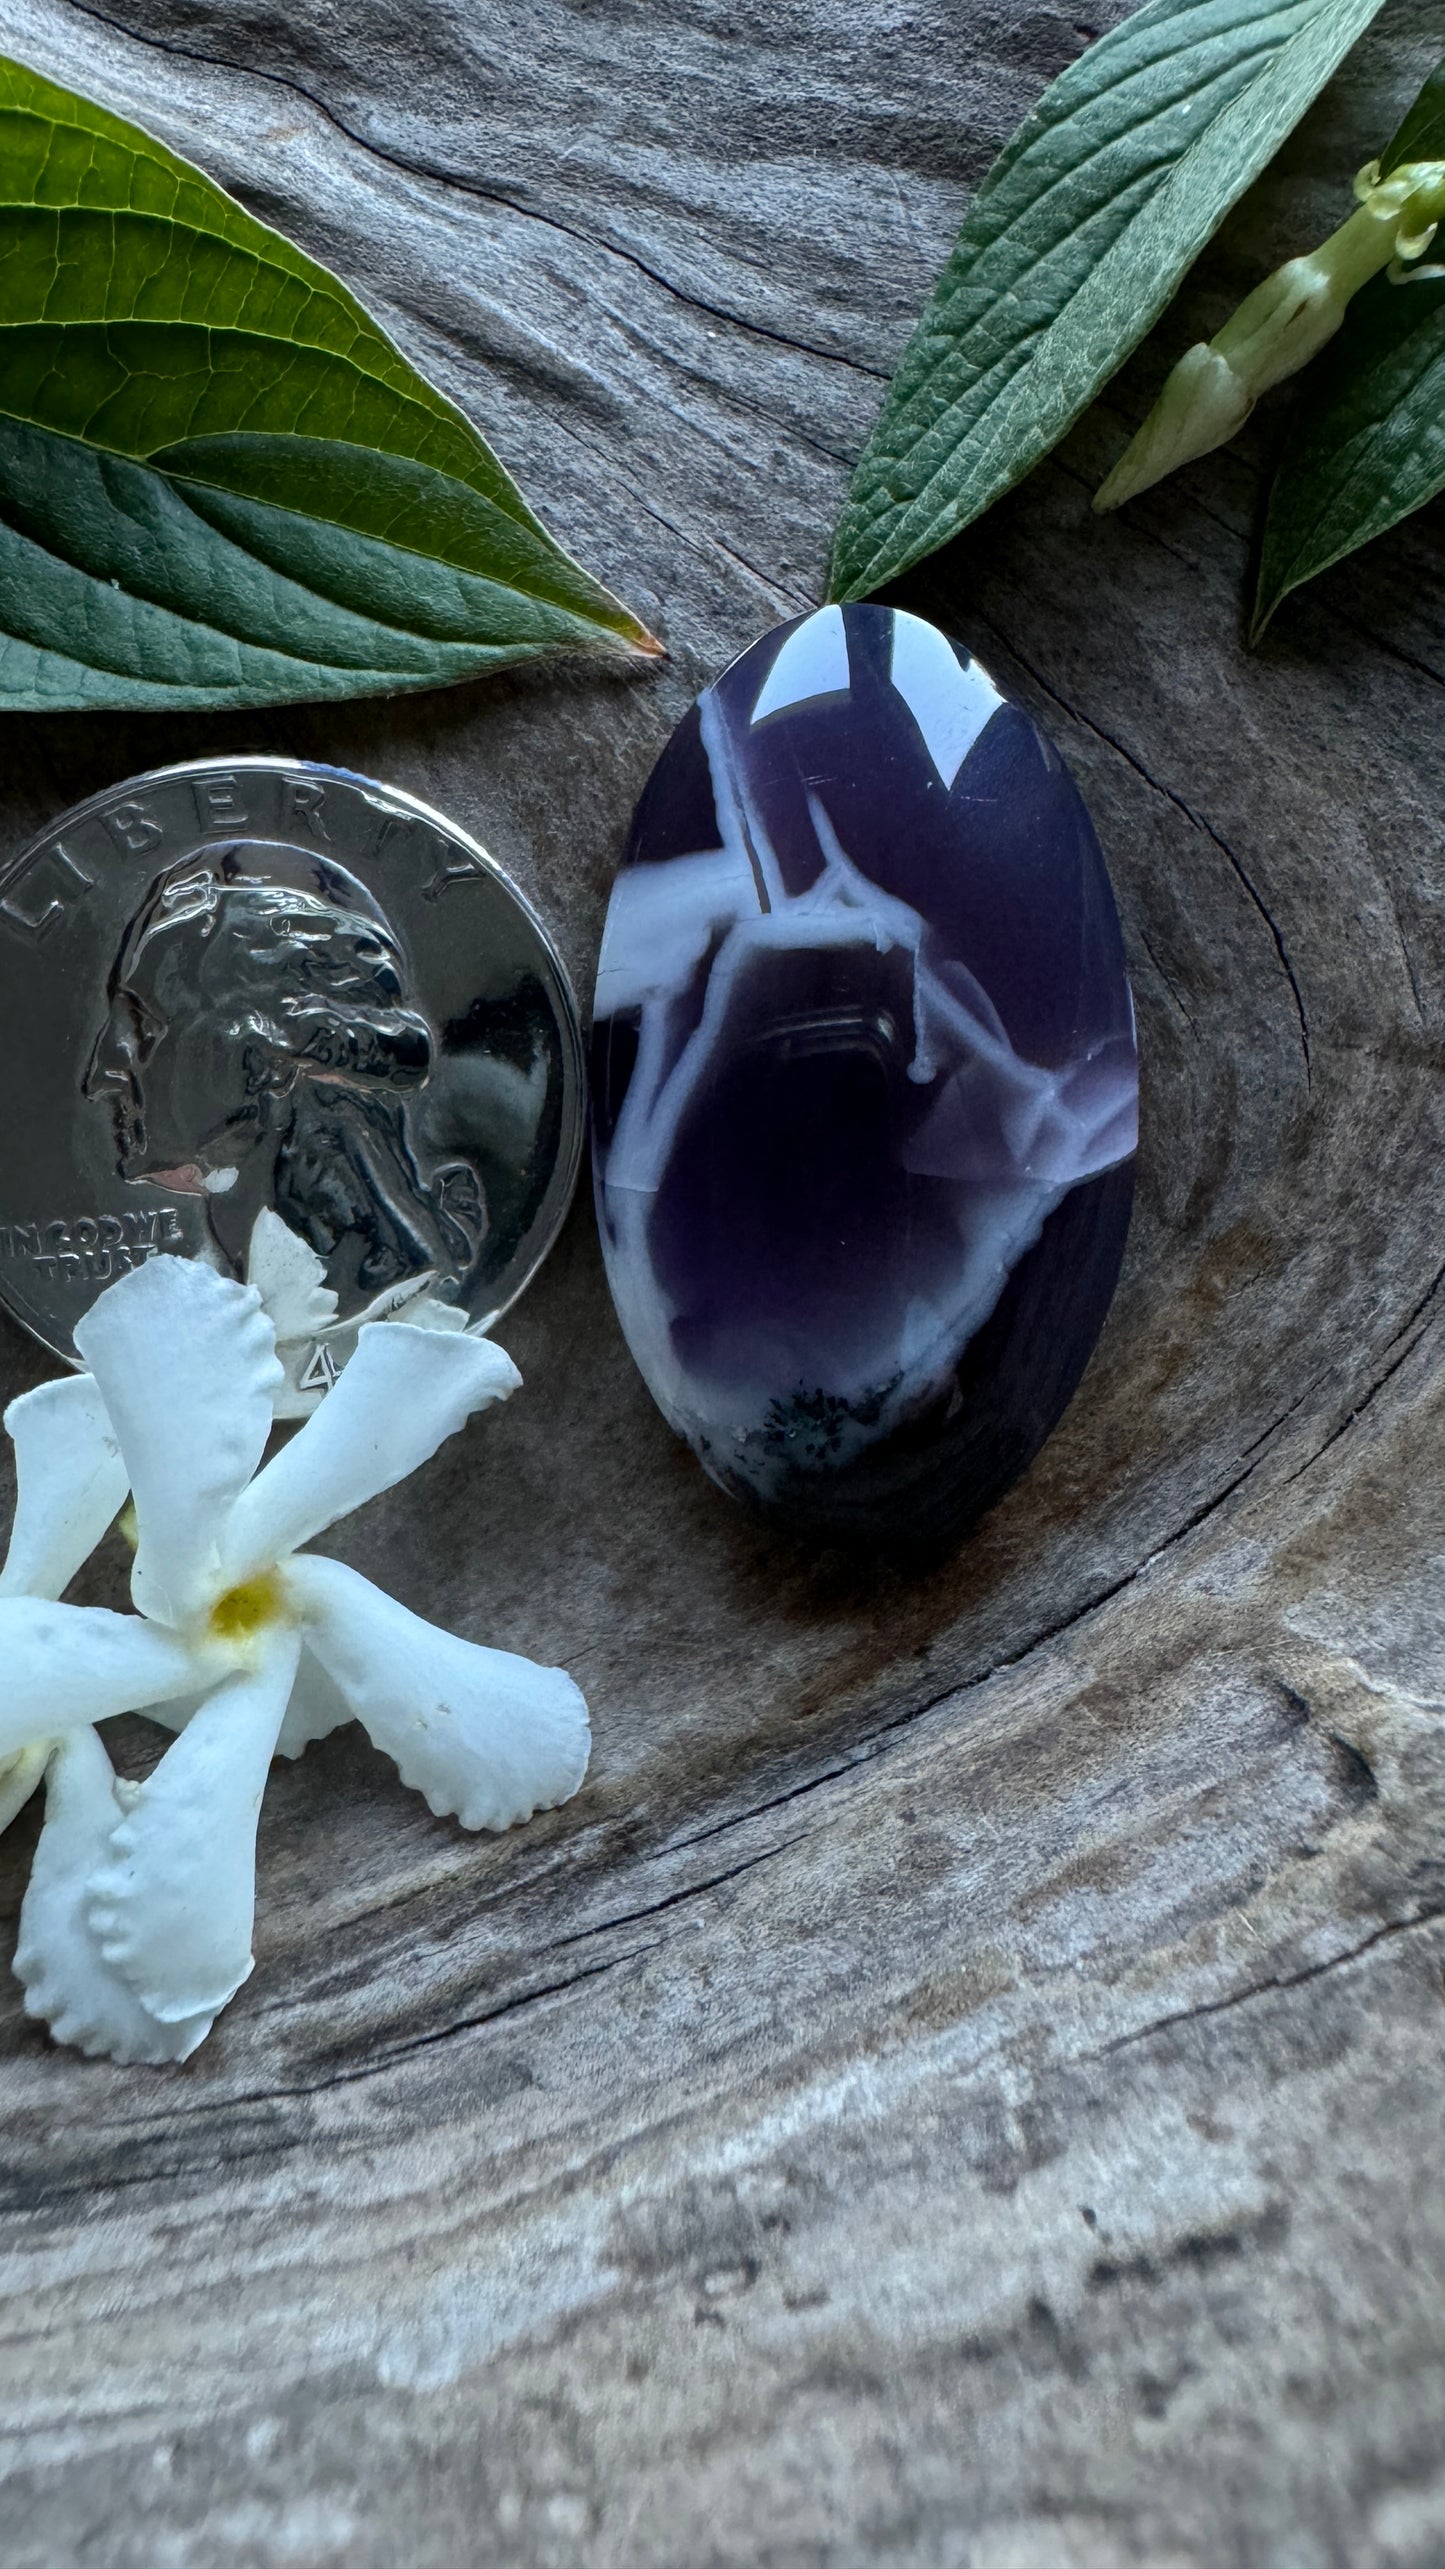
(1202, 404)
(1280, 327)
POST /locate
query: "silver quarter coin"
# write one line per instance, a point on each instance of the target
(257, 985)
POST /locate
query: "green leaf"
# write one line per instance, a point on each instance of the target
(1367, 438)
(1422, 135)
(1072, 247)
(220, 483)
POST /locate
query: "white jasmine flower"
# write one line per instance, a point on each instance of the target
(136, 1927)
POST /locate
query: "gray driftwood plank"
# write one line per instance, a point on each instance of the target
(963, 2084)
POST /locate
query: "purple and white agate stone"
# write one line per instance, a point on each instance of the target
(865, 1083)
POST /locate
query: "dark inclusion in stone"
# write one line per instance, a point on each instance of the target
(865, 1082)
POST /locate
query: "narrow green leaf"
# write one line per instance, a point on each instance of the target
(220, 483)
(1072, 247)
(1422, 135)
(1367, 438)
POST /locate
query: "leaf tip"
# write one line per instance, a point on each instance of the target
(848, 580)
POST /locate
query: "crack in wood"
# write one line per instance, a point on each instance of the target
(454, 182)
(1275, 1985)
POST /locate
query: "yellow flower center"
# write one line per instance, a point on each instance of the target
(247, 1610)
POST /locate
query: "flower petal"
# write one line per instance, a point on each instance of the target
(317, 1708)
(70, 1484)
(300, 1305)
(68, 1983)
(290, 1279)
(61, 1666)
(172, 1905)
(404, 1391)
(186, 1360)
(426, 1311)
(483, 1736)
(177, 1710)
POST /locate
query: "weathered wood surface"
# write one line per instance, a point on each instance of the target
(963, 2083)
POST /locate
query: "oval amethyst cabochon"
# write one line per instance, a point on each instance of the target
(866, 1092)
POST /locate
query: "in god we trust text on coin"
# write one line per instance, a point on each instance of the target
(258, 983)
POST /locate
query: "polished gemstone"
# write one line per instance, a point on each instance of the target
(865, 1087)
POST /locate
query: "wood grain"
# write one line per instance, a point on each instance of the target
(962, 2084)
